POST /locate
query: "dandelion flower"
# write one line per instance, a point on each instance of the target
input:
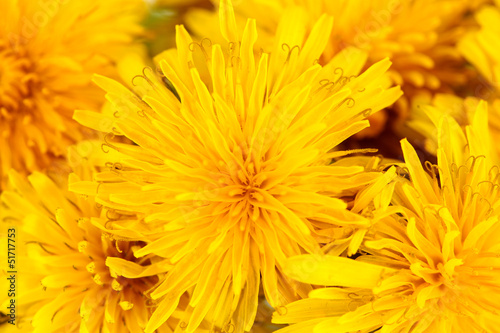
(231, 171)
(431, 262)
(73, 277)
(48, 52)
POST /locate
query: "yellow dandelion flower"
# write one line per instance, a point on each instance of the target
(49, 50)
(419, 37)
(230, 171)
(431, 263)
(481, 46)
(70, 276)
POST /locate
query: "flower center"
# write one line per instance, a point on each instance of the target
(103, 275)
(140, 285)
(18, 79)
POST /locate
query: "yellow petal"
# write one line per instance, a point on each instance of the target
(334, 271)
(228, 21)
(420, 179)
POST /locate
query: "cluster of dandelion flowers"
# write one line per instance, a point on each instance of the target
(419, 37)
(431, 261)
(48, 53)
(231, 169)
(72, 277)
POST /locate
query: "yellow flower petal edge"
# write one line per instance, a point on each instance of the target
(335, 271)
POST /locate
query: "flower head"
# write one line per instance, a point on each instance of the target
(48, 52)
(230, 170)
(431, 261)
(71, 275)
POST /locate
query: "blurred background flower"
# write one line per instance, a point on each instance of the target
(49, 51)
